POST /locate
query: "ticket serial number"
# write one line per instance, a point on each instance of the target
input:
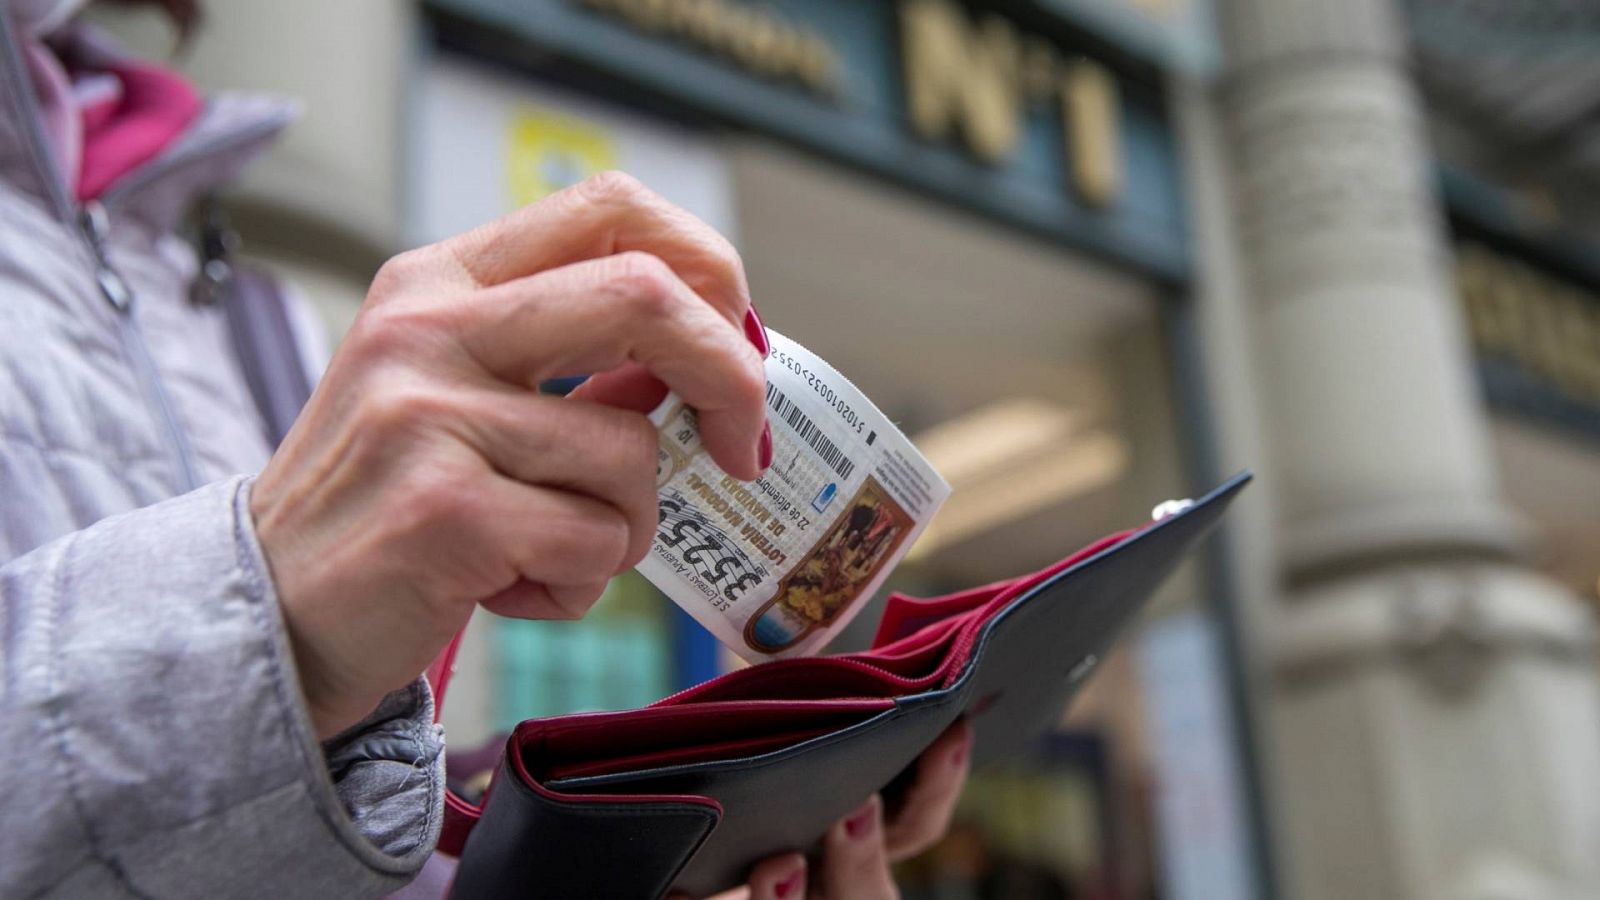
(829, 396)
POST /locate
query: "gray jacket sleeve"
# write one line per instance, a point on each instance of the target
(153, 741)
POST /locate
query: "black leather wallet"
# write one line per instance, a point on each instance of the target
(690, 792)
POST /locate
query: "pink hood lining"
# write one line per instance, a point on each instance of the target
(96, 146)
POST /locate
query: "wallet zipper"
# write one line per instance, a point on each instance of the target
(778, 665)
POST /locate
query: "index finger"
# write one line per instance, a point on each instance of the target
(629, 309)
(607, 214)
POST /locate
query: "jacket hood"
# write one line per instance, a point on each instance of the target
(34, 99)
(39, 18)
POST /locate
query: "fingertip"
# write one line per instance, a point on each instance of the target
(861, 825)
(526, 599)
(793, 887)
(521, 600)
(779, 878)
(866, 821)
(631, 387)
(636, 552)
(961, 755)
(756, 332)
(730, 444)
(855, 860)
(955, 745)
(573, 602)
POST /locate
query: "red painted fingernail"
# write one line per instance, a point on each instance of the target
(860, 825)
(755, 331)
(791, 885)
(764, 448)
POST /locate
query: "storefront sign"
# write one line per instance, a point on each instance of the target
(1181, 34)
(757, 39)
(965, 80)
(1547, 326)
(976, 79)
(1006, 117)
(1531, 290)
(1537, 334)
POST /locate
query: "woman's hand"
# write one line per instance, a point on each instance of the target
(858, 849)
(427, 476)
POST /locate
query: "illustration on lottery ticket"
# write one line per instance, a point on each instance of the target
(831, 576)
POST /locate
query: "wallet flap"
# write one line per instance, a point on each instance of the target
(533, 843)
(1033, 655)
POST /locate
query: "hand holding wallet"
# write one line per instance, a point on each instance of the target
(690, 792)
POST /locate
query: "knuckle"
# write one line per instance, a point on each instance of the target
(612, 187)
(587, 545)
(398, 272)
(722, 253)
(400, 409)
(442, 495)
(643, 281)
(569, 604)
(636, 443)
(611, 538)
(634, 556)
(749, 386)
(394, 329)
(564, 608)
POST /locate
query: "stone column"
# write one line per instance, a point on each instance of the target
(1432, 724)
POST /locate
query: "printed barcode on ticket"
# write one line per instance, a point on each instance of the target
(809, 432)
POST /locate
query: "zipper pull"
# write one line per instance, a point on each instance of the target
(218, 241)
(96, 225)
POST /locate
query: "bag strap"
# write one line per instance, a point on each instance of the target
(459, 815)
(256, 308)
(264, 344)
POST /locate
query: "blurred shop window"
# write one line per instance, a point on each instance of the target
(617, 657)
(1038, 830)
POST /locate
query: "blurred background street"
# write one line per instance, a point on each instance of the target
(1092, 255)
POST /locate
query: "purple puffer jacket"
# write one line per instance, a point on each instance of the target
(153, 739)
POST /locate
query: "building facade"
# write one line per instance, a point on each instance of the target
(1092, 254)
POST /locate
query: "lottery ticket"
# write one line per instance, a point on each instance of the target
(777, 566)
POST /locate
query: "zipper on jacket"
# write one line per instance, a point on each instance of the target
(91, 225)
(94, 225)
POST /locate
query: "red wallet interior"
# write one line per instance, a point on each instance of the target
(600, 743)
(920, 644)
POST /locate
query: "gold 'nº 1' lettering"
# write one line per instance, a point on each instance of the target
(977, 78)
(1549, 327)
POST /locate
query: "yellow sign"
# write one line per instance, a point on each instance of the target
(548, 151)
(1548, 326)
